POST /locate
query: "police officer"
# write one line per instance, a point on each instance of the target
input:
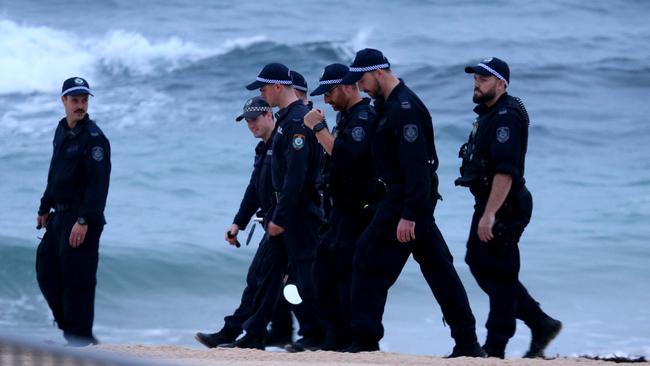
(405, 162)
(300, 88)
(257, 201)
(349, 184)
(77, 187)
(493, 169)
(292, 222)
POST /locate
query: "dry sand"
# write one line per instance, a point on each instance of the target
(187, 356)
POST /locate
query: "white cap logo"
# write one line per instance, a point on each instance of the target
(249, 102)
(488, 60)
(79, 81)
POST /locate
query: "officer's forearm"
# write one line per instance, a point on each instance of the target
(501, 184)
(326, 140)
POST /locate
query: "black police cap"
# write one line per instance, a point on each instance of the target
(75, 86)
(253, 108)
(273, 73)
(298, 81)
(368, 59)
(491, 66)
(332, 76)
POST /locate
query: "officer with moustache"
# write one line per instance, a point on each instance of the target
(405, 161)
(267, 263)
(493, 169)
(349, 184)
(77, 188)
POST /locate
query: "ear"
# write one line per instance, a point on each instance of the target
(501, 85)
(62, 98)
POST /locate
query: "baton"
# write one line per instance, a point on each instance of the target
(250, 234)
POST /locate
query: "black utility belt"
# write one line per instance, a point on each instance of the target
(62, 207)
(482, 199)
(314, 197)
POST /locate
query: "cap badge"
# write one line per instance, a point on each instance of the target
(78, 81)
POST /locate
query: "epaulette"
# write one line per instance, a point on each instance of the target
(94, 130)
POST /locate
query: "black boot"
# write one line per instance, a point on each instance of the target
(213, 340)
(334, 342)
(278, 338)
(543, 334)
(357, 347)
(303, 344)
(496, 352)
(77, 341)
(247, 341)
(472, 349)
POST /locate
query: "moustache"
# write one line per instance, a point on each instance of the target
(79, 111)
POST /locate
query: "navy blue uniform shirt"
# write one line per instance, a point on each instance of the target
(502, 138)
(79, 170)
(295, 163)
(403, 151)
(260, 188)
(349, 171)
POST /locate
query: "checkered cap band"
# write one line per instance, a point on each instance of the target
(75, 88)
(369, 68)
(330, 82)
(271, 81)
(493, 72)
(257, 109)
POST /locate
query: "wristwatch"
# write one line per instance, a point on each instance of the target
(82, 221)
(319, 126)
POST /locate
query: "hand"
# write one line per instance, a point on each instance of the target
(41, 221)
(485, 225)
(78, 234)
(233, 230)
(313, 117)
(405, 230)
(273, 229)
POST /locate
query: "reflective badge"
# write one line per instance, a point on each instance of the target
(358, 133)
(298, 141)
(98, 153)
(406, 105)
(410, 132)
(363, 115)
(280, 130)
(503, 134)
(503, 111)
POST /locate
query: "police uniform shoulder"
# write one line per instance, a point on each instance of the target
(513, 107)
(94, 130)
(365, 112)
(405, 99)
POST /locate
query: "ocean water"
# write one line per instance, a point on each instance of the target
(169, 79)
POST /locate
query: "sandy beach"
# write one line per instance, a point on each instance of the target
(187, 356)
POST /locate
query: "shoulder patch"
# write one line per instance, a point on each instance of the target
(410, 132)
(503, 134)
(298, 141)
(358, 134)
(406, 105)
(363, 115)
(97, 153)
